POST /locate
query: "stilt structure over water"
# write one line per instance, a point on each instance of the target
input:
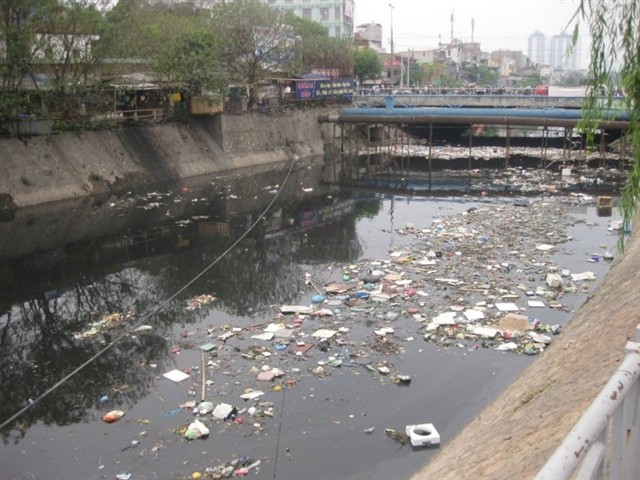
(369, 141)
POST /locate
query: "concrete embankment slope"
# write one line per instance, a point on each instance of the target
(44, 169)
(515, 435)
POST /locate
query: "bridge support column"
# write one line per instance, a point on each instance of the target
(470, 152)
(333, 144)
(507, 147)
(545, 144)
(430, 152)
(567, 144)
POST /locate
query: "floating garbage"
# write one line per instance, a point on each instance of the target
(176, 376)
(223, 411)
(113, 416)
(584, 276)
(318, 299)
(423, 435)
(467, 281)
(204, 408)
(400, 437)
(107, 322)
(251, 394)
(514, 322)
(207, 347)
(266, 336)
(195, 430)
(324, 333)
(507, 307)
(402, 379)
(269, 375)
(288, 309)
(616, 225)
(554, 280)
(198, 302)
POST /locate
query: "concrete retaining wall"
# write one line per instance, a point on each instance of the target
(41, 169)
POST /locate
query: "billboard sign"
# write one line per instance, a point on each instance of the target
(326, 88)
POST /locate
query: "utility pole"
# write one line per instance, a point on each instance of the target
(391, 7)
(452, 27)
(393, 59)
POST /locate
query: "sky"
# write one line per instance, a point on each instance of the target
(498, 24)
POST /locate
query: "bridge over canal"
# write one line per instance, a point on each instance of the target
(506, 100)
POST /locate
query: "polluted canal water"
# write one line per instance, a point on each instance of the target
(175, 345)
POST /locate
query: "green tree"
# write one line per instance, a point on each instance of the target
(333, 56)
(17, 36)
(416, 74)
(615, 55)
(484, 75)
(532, 81)
(316, 51)
(51, 38)
(573, 79)
(305, 28)
(437, 75)
(256, 41)
(139, 30)
(193, 58)
(65, 45)
(50, 35)
(366, 64)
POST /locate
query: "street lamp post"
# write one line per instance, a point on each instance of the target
(392, 52)
(391, 7)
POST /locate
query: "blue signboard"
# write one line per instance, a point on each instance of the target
(318, 89)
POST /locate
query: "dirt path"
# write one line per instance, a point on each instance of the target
(515, 435)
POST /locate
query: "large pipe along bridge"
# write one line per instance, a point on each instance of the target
(387, 137)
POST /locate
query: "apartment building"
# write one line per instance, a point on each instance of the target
(335, 15)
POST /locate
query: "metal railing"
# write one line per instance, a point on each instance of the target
(490, 101)
(605, 442)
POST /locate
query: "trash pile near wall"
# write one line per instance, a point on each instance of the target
(481, 280)
(541, 181)
(489, 153)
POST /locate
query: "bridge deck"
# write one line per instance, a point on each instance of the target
(550, 117)
(491, 101)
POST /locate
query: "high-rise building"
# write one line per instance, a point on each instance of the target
(537, 48)
(562, 54)
(335, 15)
